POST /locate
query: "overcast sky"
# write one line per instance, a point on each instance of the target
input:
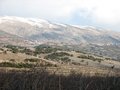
(99, 13)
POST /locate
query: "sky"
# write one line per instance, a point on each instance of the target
(99, 13)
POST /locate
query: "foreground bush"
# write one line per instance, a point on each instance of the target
(42, 80)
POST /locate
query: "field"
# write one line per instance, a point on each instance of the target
(50, 68)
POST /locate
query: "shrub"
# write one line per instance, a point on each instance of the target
(44, 49)
(43, 80)
(83, 56)
(31, 60)
(1, 49)
(107, 58)
(13, 48)
(76, 63)
(65, 59)
(59, 56)
(90, 57)
(16, 65)
(27, 51)
(12, 60)
(82, 60)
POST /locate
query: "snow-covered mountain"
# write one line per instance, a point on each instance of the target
(42, 31)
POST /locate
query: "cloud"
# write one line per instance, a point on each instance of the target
(105, 11)
(100, 11)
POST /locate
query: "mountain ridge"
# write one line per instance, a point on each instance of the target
(42, 31)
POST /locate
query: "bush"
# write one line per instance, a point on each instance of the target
(16, 65)
(107, 58)
(59, 56)
(13, 48)
(52, 57)
(83, 56)
(76, 63)
(42, 80)
(44, 49)
(65, 59)
(82, 60)
(1, 49)
(27, 51)
(31, 60)
(90, 57)
(12, 60)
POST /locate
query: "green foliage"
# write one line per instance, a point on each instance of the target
(65, 59)
(16, 65)
(107, 58)
(83, 56)
(27, 51)
(90, 57)
(31, 60)
(13, 48)
(43, 49)
(63, 56)
(16, 49)
(76, 63)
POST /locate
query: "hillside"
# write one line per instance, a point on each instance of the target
(35, 31)
(42, 31)
(56, 59)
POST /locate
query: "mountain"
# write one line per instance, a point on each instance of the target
(7, 38)
(42, 31)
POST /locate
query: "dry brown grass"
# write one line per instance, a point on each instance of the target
(18, 57)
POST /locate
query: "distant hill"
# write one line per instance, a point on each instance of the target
(7, 38)
(42, 31)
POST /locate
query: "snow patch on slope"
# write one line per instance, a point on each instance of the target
(31, 21)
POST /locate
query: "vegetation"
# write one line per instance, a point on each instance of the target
(44, 49)
(63, 56)
(42, 80)
(65, 59)
(80, 52)
(1, 49)
(31, 60)
(90, 57)
(27, 51)
(82, 60)
(107, 58)
(19, 49)
(12, 60)
(36, 78)
(16, 65)
(60, 54)
(14, 49)
(76, 63)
